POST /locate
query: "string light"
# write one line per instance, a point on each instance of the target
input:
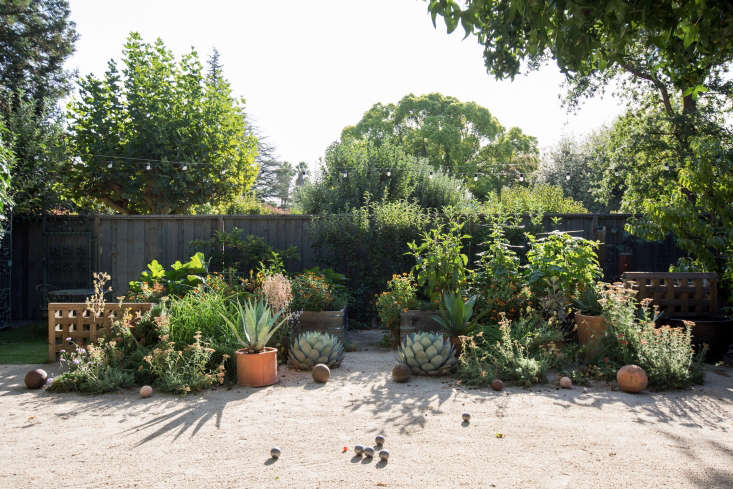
(666, 167)
(431, 175)
(389, 173)
(223, 172)
(147, 167)
(346, 174)
(109, 165)
(185, 167)
(521, 177)
(567, 178)
(475, 177)
(616, 173)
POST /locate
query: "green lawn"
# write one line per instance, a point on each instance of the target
(26, 344)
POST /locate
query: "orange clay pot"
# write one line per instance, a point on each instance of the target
(256, 369)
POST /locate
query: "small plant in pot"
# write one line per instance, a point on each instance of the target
(589, 321)
(455, 314)
(323, 305)
(254, 324)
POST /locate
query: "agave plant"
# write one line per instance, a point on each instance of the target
(254, 324)
(588, 304)
(455, 314)
(314, 347)
(427, 353)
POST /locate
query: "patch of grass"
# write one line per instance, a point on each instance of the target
(26, 344)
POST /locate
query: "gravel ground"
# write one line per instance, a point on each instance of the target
(592, 437)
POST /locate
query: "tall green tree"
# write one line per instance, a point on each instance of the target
(6, 162)
(36, 38)
(159, 136)
(462, 138)
(284, 179)
(679, 49)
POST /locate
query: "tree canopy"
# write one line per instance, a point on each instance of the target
(6, 161)
(159, 136)
(675, 47)
(36, 38)
(462, 138)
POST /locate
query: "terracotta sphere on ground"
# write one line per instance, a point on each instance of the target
(566, 383)
(35, 379)
(146, 391)
(321, 373)
(632, 379)
(497, 385)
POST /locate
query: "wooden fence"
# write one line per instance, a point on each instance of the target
(61, 252)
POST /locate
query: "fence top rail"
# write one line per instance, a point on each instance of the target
(669, 275)
(259, 217)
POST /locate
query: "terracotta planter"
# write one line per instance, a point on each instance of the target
(256, 369)
(590, 331)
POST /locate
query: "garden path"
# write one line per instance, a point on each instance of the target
(592, 437)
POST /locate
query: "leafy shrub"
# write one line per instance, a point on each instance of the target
(399, 296)
(95, 369)
(440, 264)
(243, 204)
(312, 292)
(568, 261)
(666, 354)
(496, 279)
(231, 251)
(535, 200)
(186, 370)
(514, 356)
(177, 281)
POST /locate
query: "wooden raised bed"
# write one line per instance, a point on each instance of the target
(78, 322)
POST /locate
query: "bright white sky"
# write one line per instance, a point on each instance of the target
(309, 68)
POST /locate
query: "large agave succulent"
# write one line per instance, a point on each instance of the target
(427, 353)
(313, 347)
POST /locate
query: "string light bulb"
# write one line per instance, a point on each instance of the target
(223, 172)
(475, 177)
(346, 174)
(109, 165)
(431, 175)
(521, 177)
(389, 173)
(567, 178)
(147, 167)
(185, 167)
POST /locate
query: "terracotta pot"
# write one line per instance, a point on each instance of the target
(590, 331)
(256, 369)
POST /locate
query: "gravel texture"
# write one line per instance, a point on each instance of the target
(542, 437)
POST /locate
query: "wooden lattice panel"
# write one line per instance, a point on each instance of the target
(677, 294)
(76, 321)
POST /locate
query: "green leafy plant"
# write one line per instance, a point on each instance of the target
(180, 279)
(399, 297)
(440, 263)
(186, 370)
(570, 260)
(93, 369)
(313, 292)
(587, 302)
(254, 324)
(199, 312)
(666, 354)
(455, 314)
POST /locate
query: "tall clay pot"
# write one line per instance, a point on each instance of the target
(256, 369)
(590, 331)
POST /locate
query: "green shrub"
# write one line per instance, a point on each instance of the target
(186, 370)
(514, 356)
(440, 264)
(666, 354)
(569, 262)
(199, 313)
(93, 369)
(399, 297)
(158, 282)
(231, 251)
(312, 292)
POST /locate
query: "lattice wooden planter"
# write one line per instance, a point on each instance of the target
(677, 294)
(76, 321)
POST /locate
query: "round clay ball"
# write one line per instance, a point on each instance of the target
(566, 383)
(146, 391)
(632, 379)
(275, 452)
(401, 373)
(321, 373)
(497, 385)
(35, 379)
